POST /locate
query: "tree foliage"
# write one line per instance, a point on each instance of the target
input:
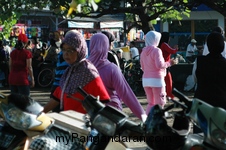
(140, 13)
(11, 10)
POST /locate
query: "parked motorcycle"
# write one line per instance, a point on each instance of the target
(207, 117)
(29, 128)
(111, 125)
(133, 75)
(109, 122)
(24, 126)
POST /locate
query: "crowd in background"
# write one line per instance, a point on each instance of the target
(42, 51)
(155, 60)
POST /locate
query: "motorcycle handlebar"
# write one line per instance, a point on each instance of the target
(182, 98)
(82, 92)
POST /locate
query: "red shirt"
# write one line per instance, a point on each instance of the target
(95, 88)
(167, 51)
(19, 71)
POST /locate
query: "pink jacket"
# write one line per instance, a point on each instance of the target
(151, 59)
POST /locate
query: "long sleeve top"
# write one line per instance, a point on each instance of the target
(167, 51)
(153, 63)
(119, 90)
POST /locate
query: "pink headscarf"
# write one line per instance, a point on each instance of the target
(99, 46)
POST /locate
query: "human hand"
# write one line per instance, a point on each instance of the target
(174, 61)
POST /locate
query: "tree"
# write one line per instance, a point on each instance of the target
(11, 10)
(140, 13)
(217, 5)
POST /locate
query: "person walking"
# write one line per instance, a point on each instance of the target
(112, 76)
(166, 52)
(80, 73)
(20, 67)
(154, 70)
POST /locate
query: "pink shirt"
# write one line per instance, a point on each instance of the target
(153, 63)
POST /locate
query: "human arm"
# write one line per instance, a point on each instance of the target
(30, 71)
(125, 93)
(97, 88)
(160, 61)
(50, 105)
(169, 49)
(194, 70)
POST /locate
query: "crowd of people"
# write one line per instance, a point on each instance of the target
(100, 74)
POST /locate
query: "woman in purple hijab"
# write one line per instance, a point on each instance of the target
(114, 81)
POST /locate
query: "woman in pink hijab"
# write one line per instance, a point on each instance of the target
(112, 77)
(154, 70)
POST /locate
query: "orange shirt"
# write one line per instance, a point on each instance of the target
(95, 88)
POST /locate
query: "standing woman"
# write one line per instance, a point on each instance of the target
(20, 68)
(113, 79)
(166, 52)
(154, 70)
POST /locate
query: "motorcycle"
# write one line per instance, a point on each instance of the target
(30, 128)
(24, 126)
(133, 75)
(109, 124)
(202, 114)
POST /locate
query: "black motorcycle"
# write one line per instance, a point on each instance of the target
(133, 75)
(196, 111)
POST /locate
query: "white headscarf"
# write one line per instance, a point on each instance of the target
(152, 38)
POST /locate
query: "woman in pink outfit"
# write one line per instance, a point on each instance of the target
(154, 70)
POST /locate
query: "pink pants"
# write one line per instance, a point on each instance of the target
(155, 95)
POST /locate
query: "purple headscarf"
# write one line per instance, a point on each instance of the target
(99, 46)
(82, 71)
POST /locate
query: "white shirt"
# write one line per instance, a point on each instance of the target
(191, 50)
(134, 51)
